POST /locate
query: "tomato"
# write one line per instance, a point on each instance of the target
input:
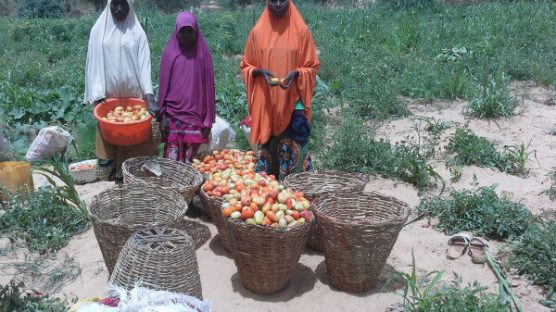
(253, 206)
(272, 216)
(216, 194)
(224, 190)
(247, 213)
(226, 212)
(296, 215)
(299, 194)
(289, 203)
(266, 221)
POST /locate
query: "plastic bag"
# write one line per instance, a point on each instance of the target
(245, 127)
(221, 133)
(49, 142)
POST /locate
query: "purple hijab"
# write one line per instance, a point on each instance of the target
(186, 84)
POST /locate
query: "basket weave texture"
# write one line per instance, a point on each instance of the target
(200, 233)
(266, 257)
(120, 211)
(213, 206)
(316, 184)
(176, 176)
(359, 231)
(161, 259)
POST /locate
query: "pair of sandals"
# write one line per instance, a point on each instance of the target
(462, 243)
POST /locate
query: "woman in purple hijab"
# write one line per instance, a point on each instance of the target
(186, 91)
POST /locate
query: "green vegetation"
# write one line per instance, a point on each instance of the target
(534, 252)
(16, 298)
(429, 294)
(494, 100)
(551, 192)
(480, 211)
(360, 152)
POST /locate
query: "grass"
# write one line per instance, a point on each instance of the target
(551, 192)
(369, 57)
(533, 254)
(430, 294)
(494, 100)
(479, 210)
(470, 149)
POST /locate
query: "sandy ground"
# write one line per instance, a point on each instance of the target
(309, 289)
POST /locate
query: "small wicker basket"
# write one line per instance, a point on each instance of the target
(359, 231)
(120, 211)
(161, 259)
(176, 176)
(266, 257)
(316, 184)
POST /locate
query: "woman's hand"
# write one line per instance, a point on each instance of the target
(286, 83)
(164, 126)
(152, 107)
(266, 74)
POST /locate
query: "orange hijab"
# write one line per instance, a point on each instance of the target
(279, 45)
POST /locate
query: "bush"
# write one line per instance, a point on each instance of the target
(41, 9)
(471, 149)
(534, 254)
(494, 100)
(16, 298)
(480, 211)
(170, 6)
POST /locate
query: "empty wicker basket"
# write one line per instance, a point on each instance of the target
(266, 257)
(316, 184)
(120, 211)
(176, 176)
(161, 259)
(200, 233)
(213, 207)
(359, 231)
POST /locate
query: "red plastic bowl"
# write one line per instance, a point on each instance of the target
(122, 133)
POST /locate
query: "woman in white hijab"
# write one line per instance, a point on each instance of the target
(118, 65)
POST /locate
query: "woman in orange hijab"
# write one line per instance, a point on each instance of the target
(280, 45)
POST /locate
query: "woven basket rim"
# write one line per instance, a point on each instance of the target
(362, 180)
(395, 219)
(197, 175)
(92, 214)
(137, 238)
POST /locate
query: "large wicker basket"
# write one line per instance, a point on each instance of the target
(213, 206)
(266, 257)
(359, 231)
(160, 259)
(118, 212)
(176, 176)
(200, 233)
(316, 184)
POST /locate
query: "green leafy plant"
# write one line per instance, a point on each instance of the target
(551, 192)
(455, 62)
(429, 294)
(516, 157)
(533, 254)
(41, 8)
(479, 210)
(14, 297)
(494, 100)
(470, 149)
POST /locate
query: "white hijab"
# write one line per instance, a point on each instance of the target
(118, 58)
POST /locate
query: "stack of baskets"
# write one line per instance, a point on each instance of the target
(160, 259)
(317, 184)
(118, 212)
(359, 231)
(266, 257)
(183, 178)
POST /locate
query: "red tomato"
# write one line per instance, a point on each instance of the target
(247, 213)
(289, 203)
(296, 215)
(266, 221)
(226, 212)
(272, 216)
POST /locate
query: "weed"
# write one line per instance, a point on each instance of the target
(534, 252)
(494, 100)
(551, 192)
(471, 149)
(479, 210)
(14, 297)
(516, 157)
(428, 294)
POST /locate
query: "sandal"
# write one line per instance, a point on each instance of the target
(457, 245)
(477, 250)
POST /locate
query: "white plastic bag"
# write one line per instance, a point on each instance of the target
(246, 130)
(49, 142)
(221, 133)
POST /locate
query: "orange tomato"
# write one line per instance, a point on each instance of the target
(226, 212)
(266, 221)
(253, 206)
(272, 216)
(247, 213)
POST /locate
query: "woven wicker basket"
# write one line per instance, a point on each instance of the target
(359, 231)
(118, 212)
(161, 259)
(213, 206)
(316, 184)
(265, 257)
(200, 233)
(176, 176)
